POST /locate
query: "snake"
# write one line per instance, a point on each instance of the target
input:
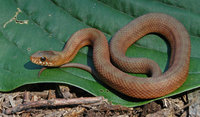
(111, 65)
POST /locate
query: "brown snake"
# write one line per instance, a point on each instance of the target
(156, 86)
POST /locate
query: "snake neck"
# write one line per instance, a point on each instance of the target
(78, 40)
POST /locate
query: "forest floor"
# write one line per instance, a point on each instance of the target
(42, 100)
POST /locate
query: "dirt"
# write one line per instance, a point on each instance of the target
(169, 107)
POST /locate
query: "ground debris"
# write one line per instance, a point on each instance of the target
(194, 99)
(169, 107)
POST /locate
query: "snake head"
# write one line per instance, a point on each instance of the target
(46, 58)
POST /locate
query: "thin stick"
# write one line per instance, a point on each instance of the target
(54, 102)
(187, 105)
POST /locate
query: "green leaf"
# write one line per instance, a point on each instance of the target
(52, 22)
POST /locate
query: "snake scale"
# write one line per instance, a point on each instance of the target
(114, 74)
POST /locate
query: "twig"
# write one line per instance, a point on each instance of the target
(26, 96)
(15, 19)
(54, 102)
(185, 106)
(12, 103)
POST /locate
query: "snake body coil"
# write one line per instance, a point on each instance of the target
(156, 86)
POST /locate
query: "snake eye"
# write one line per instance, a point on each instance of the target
(42, 59)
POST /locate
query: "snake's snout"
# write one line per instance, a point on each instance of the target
(40, 58)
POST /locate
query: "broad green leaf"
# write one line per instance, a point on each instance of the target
(52, 22)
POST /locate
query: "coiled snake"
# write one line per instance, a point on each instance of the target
(156, 86)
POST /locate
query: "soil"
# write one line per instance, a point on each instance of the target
(176, 106)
